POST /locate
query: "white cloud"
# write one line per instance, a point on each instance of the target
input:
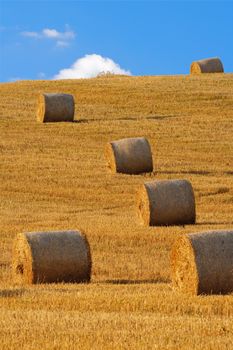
(90, 66)
(61, 43)
(31, 34)
(51, 33)
(54, 34)
(62, 38)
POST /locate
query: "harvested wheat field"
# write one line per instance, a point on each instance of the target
(54, 176)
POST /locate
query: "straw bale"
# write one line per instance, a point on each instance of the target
(130, 156)
(55, 108)
(54, 256)
(208, 65)
(202, 263)
(167, 202)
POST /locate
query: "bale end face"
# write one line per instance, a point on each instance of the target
(195, 68)
(87, 276)
(22, 262)
(143, 206)
(110, 157)
(183, 267)
(40, 108)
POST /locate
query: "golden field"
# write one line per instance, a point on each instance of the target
(55, 176)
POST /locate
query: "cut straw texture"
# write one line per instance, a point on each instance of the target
(50, 257)
(55, 108)
(129, 156)
(167, 202)
(202, 263)
(208, 65)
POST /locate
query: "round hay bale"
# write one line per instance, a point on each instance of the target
(55, 108)
(50, 257)
(202, 263)
(209, 65)
(167, 202)
(130, 156)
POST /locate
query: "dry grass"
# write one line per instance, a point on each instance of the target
(54, 177)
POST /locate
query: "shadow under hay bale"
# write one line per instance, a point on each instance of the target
(55, 108)
(51, 257)
(167, 202)
(209, 65)
(130, 156)
(147, 281)
(11, 293)
(202, 263)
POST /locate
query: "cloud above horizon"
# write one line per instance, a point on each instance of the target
(91, 66)
(62, 38)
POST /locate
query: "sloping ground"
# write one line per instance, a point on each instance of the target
(55, 176)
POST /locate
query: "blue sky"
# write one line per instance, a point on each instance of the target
(48, 39)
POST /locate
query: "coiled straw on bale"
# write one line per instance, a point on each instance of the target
(169, 202)
(130, 156)
(55, 108)
(202, 263)
(46, 257)
(209, 65)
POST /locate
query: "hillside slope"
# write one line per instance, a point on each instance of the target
(55, 176)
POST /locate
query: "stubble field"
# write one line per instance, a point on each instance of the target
(54, 176)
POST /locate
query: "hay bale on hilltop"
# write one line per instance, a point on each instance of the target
(208, 65)
(167, 202)
(202, 263)
(55, 108)
(47, 257)
(130, 156)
